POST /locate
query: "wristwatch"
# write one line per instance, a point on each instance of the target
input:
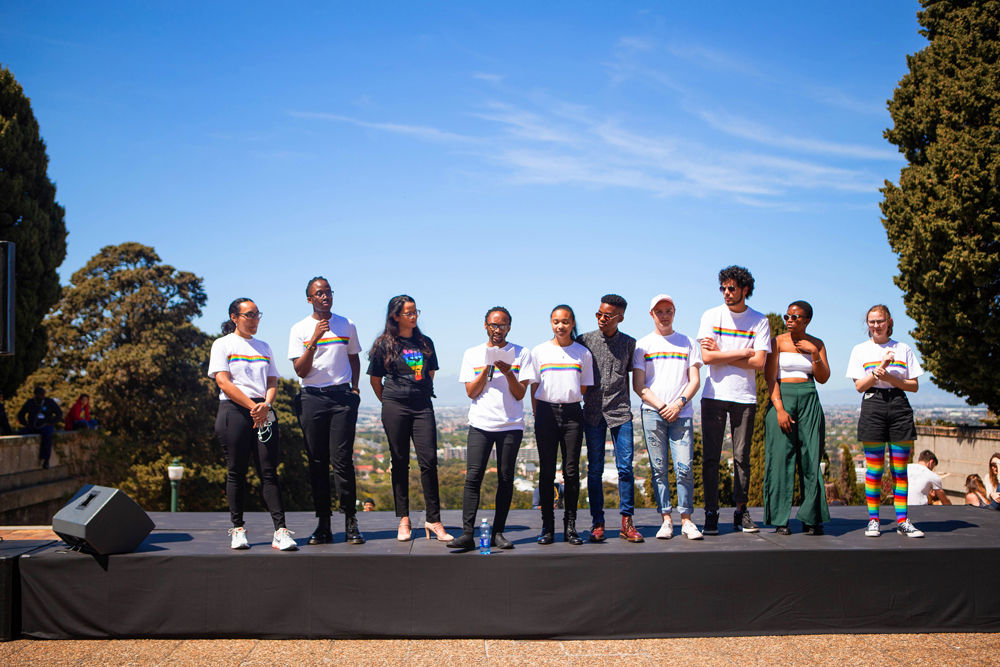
(684, 400)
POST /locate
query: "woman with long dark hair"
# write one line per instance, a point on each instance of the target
(795, 428)
(565, 372)
(883, 370)
(243, 367)
(401, 364)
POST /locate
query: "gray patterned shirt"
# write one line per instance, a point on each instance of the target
(609, 397)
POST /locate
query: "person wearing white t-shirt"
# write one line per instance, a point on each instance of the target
(565, 372)
(244, 369)
(496, 418)
(665, 375)
(735, 340)
(883, 370)
(923, 484)
(324, 350)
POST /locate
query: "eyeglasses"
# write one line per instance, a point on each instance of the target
(728, 288)
(497, 327)
(414, 315)
(252, 315)
(605, 316)
(794, 317)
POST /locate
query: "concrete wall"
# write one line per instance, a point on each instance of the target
(30, 495)
(961, 451)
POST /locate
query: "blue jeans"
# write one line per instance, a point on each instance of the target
(622, 437)
(679, 435)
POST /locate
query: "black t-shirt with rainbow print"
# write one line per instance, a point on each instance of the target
(408, 379)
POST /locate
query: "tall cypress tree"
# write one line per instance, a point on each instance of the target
(756, 492)
(943, 219)
(31, 218)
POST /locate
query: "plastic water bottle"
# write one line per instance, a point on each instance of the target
(485, 536)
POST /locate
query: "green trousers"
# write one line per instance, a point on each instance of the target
(802, 449)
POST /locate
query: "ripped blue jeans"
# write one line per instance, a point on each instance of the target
(679, 436)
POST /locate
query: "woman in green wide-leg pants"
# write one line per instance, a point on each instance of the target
(795, 428)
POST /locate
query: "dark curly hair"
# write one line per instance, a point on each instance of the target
(615, 300)
(499, 309)
(804, 305)
(229, 326)
(739, 275)
(310, 283)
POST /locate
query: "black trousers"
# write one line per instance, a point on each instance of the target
(236, 432)
(328, 422)
(403, 422)
(558, 428)
(714, 414)
(480, 445)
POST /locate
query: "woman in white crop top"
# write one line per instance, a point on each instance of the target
(794, 425)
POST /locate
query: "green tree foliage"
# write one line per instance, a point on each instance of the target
(847, 480)
(943, 220)
(756, 492)
(31, 218)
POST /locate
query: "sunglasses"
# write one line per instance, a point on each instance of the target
(793, 318)
(729, 288)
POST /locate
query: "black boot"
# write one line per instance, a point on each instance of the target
(465, 542)
(501, 542)
(569, 532)
(322, 534)
(354, 535)
(548, 535)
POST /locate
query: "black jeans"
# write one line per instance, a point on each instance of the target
(713, 428)
(47, 433)
(328, 422)
(236, 432)
(558, 428)
(480, 444)
(403, 421)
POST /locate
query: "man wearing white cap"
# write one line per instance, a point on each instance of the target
(665, 375)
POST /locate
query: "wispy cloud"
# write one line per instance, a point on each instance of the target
(492, 78)
(417, 131)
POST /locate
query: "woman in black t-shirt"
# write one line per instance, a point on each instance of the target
(404, 358)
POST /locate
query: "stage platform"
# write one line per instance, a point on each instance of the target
(185, 582)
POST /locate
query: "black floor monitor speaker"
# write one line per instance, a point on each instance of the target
(102, 520)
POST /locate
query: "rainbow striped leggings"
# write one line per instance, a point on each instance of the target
(875, 459)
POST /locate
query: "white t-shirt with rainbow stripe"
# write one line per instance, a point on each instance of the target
(248, 361)
(562, 371)
(867, 356)
(330, 363)
(496, 409)
(733, 331)
(666, 360)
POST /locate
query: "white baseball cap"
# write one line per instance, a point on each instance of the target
(661, 297)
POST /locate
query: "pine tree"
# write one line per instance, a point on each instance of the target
(31, 218)
(943, 219)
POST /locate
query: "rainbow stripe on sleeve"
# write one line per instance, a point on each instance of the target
(561, 367)
(872, 365)
(666, 355)
(479, 369)
(323, 342)
(248, 359)
(734, 333)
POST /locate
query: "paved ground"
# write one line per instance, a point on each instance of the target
(943, 650)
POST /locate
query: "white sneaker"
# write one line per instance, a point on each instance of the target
(239, 538)
(904, 527)
(690, 531)
(666, 531)
(873, 529)
(283, 540)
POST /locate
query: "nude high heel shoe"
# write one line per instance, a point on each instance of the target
(403, 534)
(438, 530)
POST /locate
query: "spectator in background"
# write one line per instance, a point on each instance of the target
(992, 483)
(369, 505)
(833, 494)
(975, 492)
(39, 415)
(924, 483)
(78, 416)
(5, 428)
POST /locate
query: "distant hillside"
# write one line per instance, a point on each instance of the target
(928, 395)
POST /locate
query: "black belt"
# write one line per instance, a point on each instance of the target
(331, 389)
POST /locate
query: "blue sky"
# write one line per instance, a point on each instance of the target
(474, 155)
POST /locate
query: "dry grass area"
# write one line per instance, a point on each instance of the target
(937, 650)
